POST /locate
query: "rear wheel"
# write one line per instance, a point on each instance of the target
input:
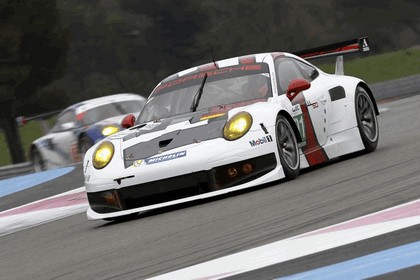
(287, 147)
(366, 120)
(37, 161)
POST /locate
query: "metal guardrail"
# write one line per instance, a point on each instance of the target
(384, 90)
(15, 170)
(26, 167)
(396, 88)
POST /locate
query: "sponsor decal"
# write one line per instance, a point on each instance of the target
(300, 125)
(365, 45)
(152, 160)
(260, 141)
(296, 108)
(314, 105)
(172, 156)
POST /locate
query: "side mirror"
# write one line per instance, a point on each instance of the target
(295, 87)
(21, 121)
(128, 121)
(68, 126)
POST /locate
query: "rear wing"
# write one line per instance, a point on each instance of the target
(338, 50)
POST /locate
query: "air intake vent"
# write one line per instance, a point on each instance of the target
(164, 143)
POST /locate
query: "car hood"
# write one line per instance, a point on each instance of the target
(146, 140)
(159, 137)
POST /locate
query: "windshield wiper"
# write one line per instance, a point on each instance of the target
(197, 96)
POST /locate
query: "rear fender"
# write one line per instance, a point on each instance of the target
(369, 92)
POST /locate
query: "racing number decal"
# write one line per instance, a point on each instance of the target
(301, 126)
(313, 152)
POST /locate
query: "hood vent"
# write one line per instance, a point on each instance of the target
(164, 143)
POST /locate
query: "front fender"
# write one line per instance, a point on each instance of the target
(266, 113)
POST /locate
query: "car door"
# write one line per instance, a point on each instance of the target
(310, 107)
(63, 141)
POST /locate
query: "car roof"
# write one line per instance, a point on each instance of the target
(239, 60)
(99, 101)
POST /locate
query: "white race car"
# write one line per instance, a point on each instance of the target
(79, 127)
(230, 125)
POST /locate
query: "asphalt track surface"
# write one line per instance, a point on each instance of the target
(162, 241)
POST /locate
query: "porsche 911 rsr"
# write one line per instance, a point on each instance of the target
(79, 127)
(230, 125)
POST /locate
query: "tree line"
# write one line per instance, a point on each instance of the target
(56, 53)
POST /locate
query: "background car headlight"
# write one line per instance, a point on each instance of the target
(103, 155)
(237, 126)
(110, 129)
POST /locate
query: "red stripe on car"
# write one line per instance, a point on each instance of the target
(247, 59)
(341, 49)
(313, 152)
(207, 67)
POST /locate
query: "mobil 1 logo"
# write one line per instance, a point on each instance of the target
(261, 140)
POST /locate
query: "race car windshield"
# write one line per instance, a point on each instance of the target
(110, 110)
(225, 87)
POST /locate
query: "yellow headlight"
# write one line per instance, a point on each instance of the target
(237, 126)
(103, 155)
(108, 130)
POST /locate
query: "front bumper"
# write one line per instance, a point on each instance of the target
(118, 201)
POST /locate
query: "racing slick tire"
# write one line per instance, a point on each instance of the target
(37, 161)
(287, 147)
(367, 121)
(84, 144)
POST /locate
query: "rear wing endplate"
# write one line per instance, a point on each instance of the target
(338, 50)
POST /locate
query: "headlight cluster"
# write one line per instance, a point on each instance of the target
(237, 126)
(102, 155)
(110, 129)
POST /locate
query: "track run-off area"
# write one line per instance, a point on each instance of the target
(353, 218)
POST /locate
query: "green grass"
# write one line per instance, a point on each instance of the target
(28, 133)
(371, 68)
(382, 67)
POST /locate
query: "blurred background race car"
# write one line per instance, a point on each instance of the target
(79, 127)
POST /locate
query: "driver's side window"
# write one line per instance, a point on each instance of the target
(64, 118)
(289, 69)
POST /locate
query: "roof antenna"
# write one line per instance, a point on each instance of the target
(212, 56)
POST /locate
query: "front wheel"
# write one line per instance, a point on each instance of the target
(84, 144)
(366, 120)
(37, 161)
(288, 148)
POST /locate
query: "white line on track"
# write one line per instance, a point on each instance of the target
(43, 211)
(358, 229)
(383, 109)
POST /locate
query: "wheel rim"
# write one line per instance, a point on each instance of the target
(367, 117)
(287, 144)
